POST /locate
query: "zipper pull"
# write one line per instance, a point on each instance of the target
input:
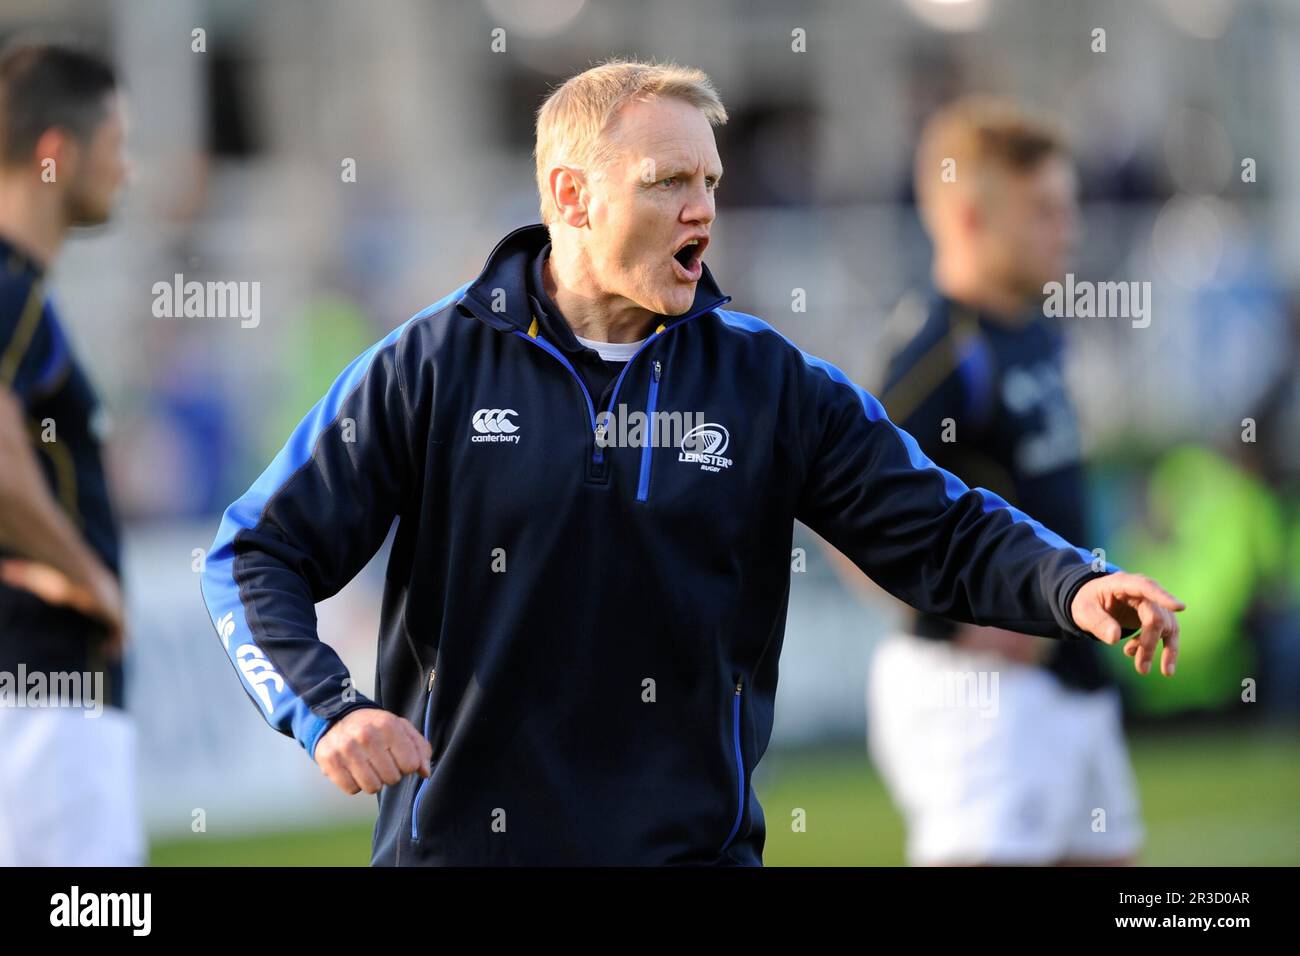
(432, 672)
(738, 683)
(658, 370)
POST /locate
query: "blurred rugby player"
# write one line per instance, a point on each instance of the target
(980, 385)
(67, 778)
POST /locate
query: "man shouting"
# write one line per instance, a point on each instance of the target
(580, 633)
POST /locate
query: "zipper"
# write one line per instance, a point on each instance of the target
(419, 793)
(740, 763)
(596, 467)
(600, 424)
(651, 401)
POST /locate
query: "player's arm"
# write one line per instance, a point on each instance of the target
(304, 529)
(53, 559)
(55, 562)
(963, 553)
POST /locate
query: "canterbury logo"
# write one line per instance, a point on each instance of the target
(704, 445)
(226, 627)
(494, 425)
(259, 672)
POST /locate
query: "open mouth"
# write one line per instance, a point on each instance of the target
(689, 257)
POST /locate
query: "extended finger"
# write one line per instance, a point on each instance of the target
(1169, 656)
(1165, 624)
(1152, 627)
(1137, 586)
(1156, 593)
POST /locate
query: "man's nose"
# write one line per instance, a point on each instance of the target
(700, 207)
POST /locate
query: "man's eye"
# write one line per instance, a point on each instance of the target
(671, 180)
(711, 183)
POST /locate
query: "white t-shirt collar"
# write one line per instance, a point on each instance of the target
(612, 351)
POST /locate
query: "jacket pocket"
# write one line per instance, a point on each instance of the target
(651, 402)
(742, 791)
(424, 781)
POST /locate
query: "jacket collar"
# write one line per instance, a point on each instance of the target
(503, 283)
(14, 258)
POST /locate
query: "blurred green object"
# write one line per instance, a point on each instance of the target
(1223, 797)
(1293, 562)
(1216, 539)
(319, 343)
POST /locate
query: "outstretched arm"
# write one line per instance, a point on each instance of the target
(925, 537)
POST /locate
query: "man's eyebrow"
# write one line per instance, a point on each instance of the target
(670, 169)
(674, 169)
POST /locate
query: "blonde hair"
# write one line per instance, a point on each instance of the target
(982, 133)
(577, 114)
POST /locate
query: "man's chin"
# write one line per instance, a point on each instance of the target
(89, 214)
(674, 305)
(85, 220)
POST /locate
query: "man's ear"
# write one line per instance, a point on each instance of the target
(970, 216)
(569, 193)
(57, 151)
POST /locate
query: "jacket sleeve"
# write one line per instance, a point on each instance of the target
(918, 530)
(304, 529)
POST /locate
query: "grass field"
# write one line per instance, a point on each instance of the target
(1218, 798)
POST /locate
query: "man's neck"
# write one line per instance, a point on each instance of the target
(30, 219)
(1003, 305)
(590, 313)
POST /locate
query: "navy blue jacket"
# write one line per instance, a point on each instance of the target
(589, 635)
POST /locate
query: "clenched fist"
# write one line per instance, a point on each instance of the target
(370, 748)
